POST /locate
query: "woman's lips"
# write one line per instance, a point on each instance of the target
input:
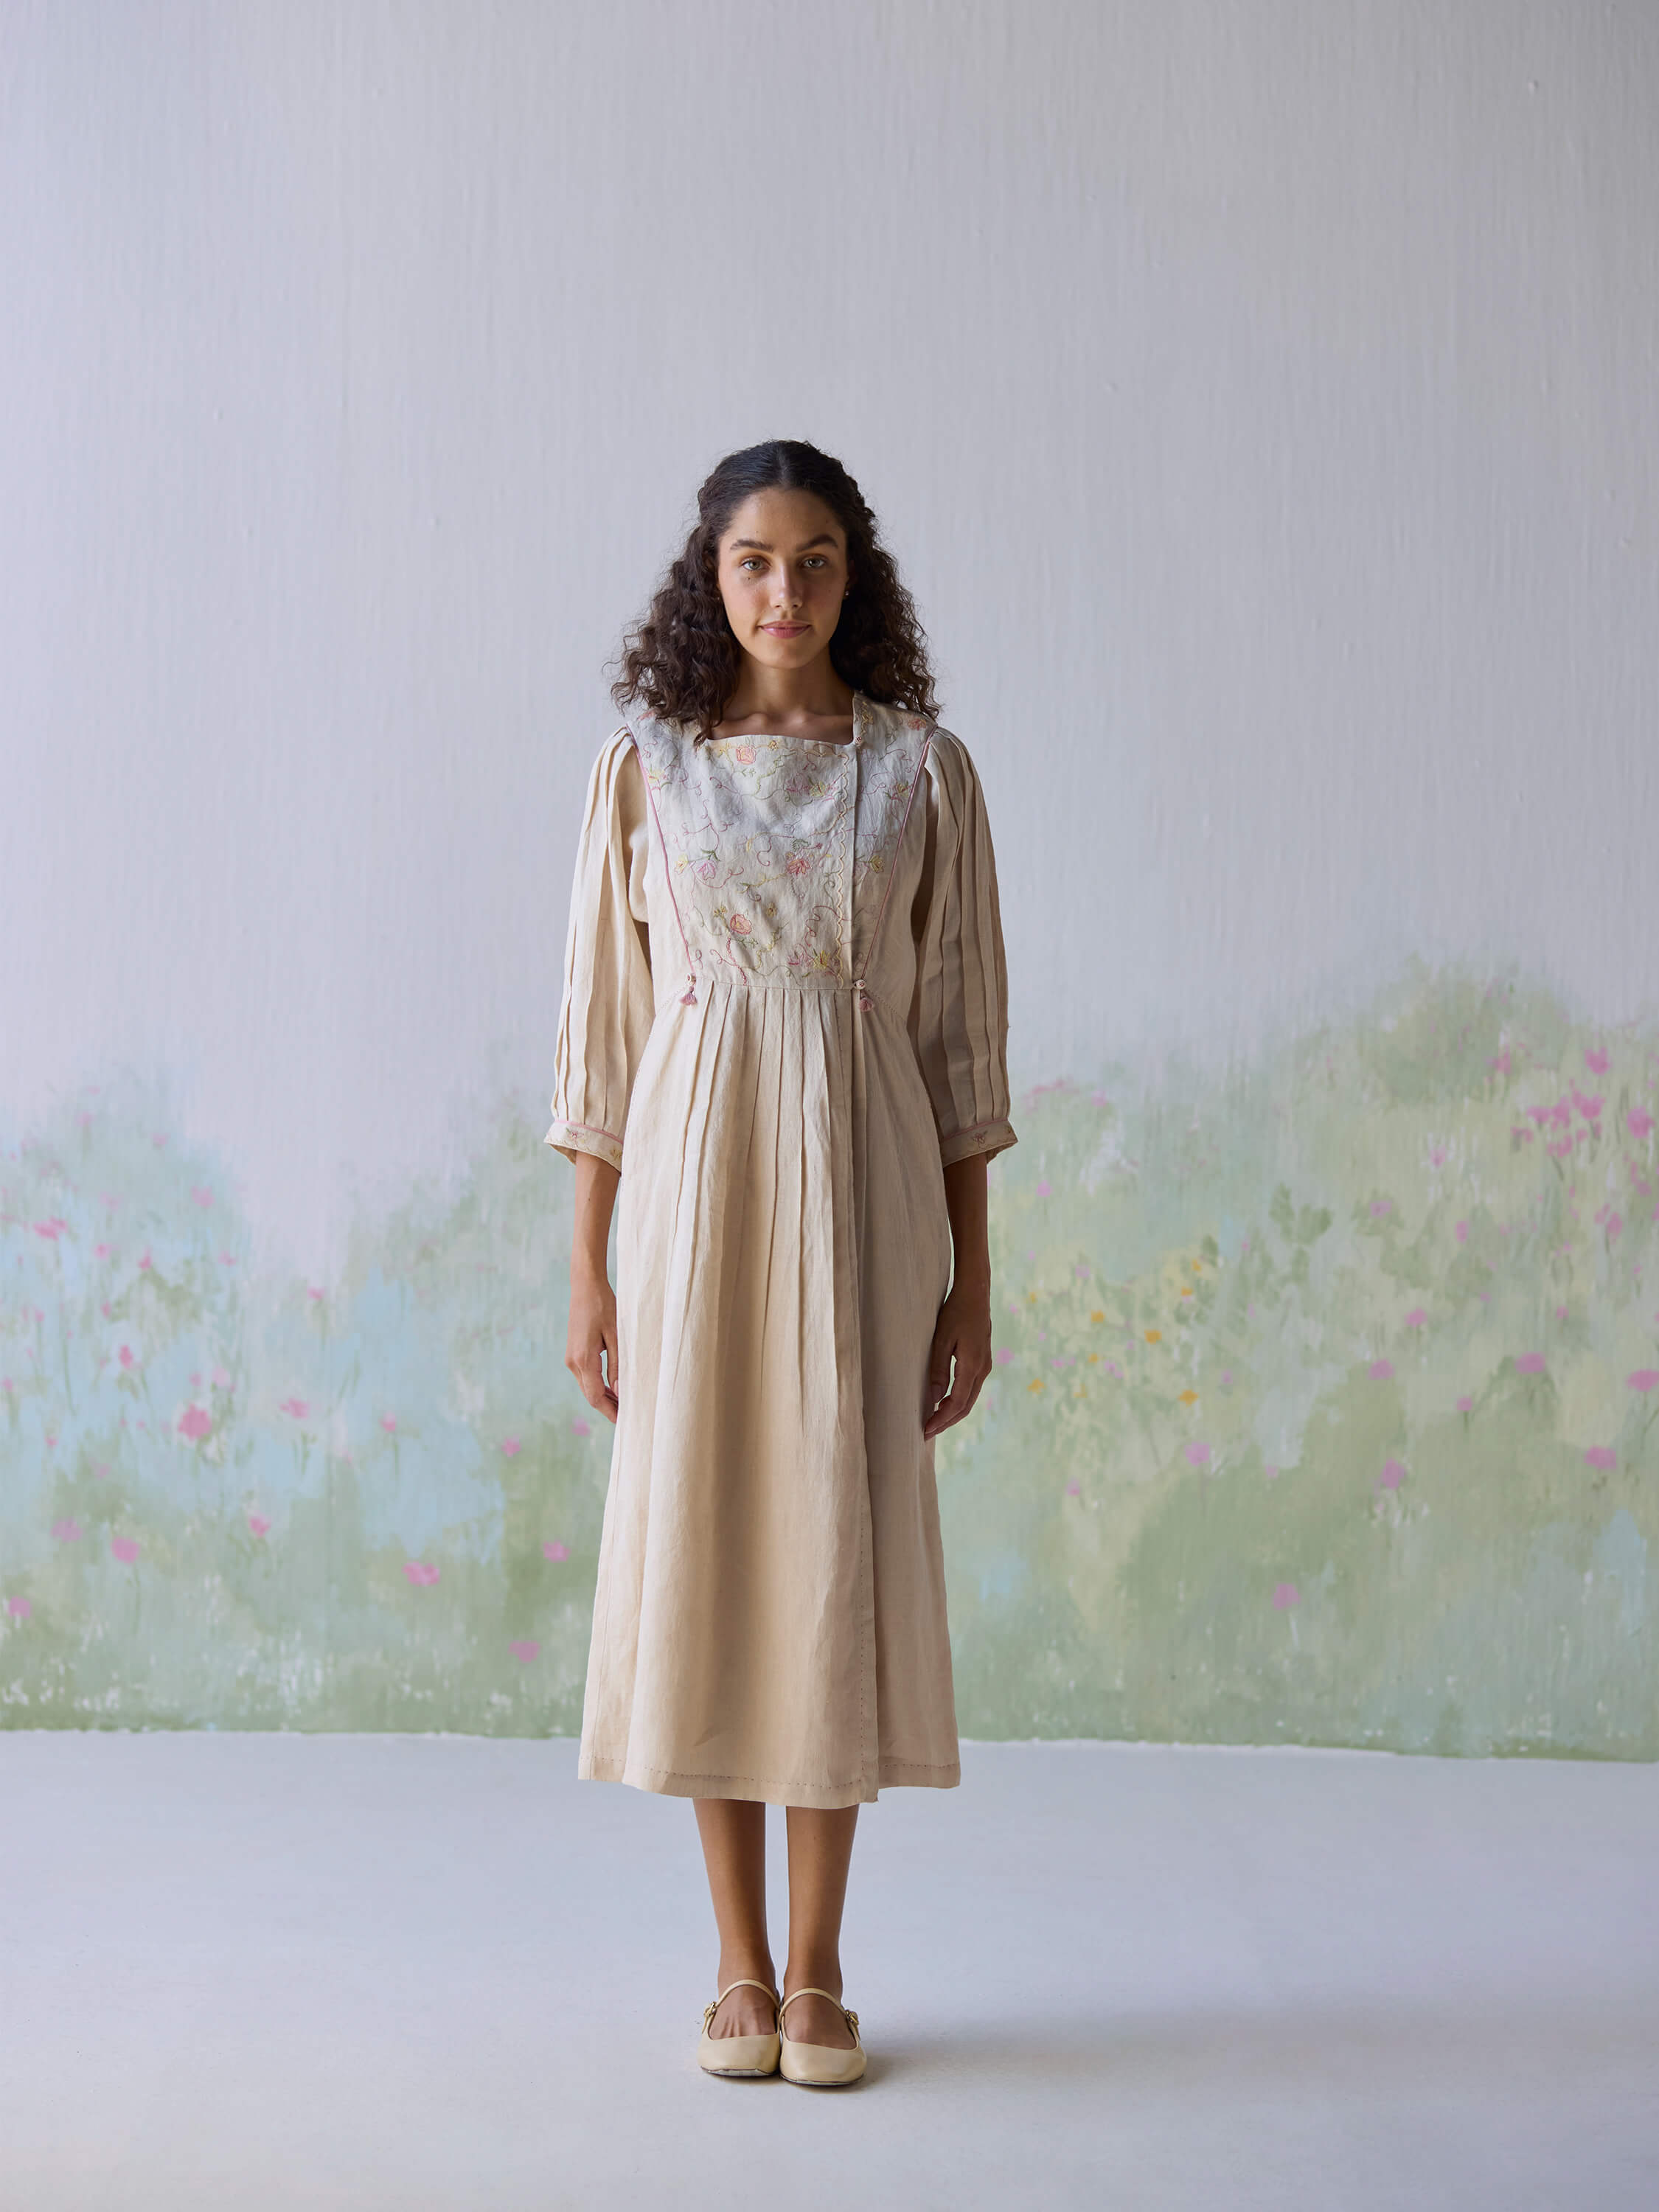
(785, 629)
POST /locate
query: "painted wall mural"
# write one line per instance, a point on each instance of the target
(1323, 1412)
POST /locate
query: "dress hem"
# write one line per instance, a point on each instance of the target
(815, 1797)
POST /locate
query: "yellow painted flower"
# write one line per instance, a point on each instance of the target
(1154, 1336)
(1189, 1397)
(1096, 1315)
(1037, 1385)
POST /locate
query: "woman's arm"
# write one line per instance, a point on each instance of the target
(964, 1329)
(592, 1302)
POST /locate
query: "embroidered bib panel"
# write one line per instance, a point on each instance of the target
(780, 850)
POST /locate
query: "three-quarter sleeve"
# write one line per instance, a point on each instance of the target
(959, 1018)
(608, 1003)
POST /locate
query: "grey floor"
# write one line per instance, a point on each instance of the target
(319, 1971)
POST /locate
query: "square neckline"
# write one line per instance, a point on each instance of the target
(794, 737)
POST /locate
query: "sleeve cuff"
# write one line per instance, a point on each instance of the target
(987, 1137)
(573, 1137)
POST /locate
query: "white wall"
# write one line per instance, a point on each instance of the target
(1261, 401)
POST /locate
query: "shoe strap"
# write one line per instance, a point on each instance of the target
(850, 2017)
(744, 1982)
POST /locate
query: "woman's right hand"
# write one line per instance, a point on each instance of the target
(593, 1331)
(592, 1302)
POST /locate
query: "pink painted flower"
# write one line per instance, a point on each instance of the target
(258, 1524)
(1393, 1474)
(1596, 1059)
(1460, 1230)
(19, 1607)
(127, 1355)
(1416, 1318)
(1531, 1363)
(1284, 1593)
(389, 1422)
(1272, 1471)
(125, 1549)
(1500, 1061)
(67, 1531)
(555, 1550)
(296, 1407)
(1199, 1454)
(195, 1422)
(511, 1447)
(201, 1193)
(220, 1378)
(1602, 1456)
(145, 1262)
(1639, 1121)
(311, 1292)
(1381, 1206)
(420, 1572)
(525, 1651)
(579, 1428)
(1466, 1405)
(1644, 1378)
(1043, 1189)
(49, 1229)
(1074, 1488)
(1380, 1371)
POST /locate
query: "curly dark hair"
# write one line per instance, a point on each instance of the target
(682, 661)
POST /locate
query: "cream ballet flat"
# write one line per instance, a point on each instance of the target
(820, 2065)
(740, 2057)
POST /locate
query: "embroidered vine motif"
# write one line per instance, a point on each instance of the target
(780, 850)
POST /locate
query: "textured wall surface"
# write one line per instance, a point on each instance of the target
(1262, 404)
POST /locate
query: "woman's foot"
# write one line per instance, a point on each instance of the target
(814, 2019)
(747, 2011)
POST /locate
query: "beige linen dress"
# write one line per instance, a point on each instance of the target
(784, 1011)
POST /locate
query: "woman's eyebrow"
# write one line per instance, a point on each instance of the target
(760, 545)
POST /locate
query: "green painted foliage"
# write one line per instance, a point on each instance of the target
(1322, 1413)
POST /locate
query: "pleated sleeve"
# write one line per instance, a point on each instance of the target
(959, 1018)
(606, 1013)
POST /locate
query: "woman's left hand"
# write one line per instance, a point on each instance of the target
(962, 1333)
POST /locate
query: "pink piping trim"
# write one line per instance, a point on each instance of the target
(662, 842)
(875, 935)
(589, 1127)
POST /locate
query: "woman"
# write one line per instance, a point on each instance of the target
(781, 1055)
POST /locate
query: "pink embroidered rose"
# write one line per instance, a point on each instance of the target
(740, 925)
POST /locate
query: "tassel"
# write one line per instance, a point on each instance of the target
(689, 998)
(865, 1001)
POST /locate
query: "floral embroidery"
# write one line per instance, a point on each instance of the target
(780, 850)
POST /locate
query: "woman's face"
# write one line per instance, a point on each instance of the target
(783, 575)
